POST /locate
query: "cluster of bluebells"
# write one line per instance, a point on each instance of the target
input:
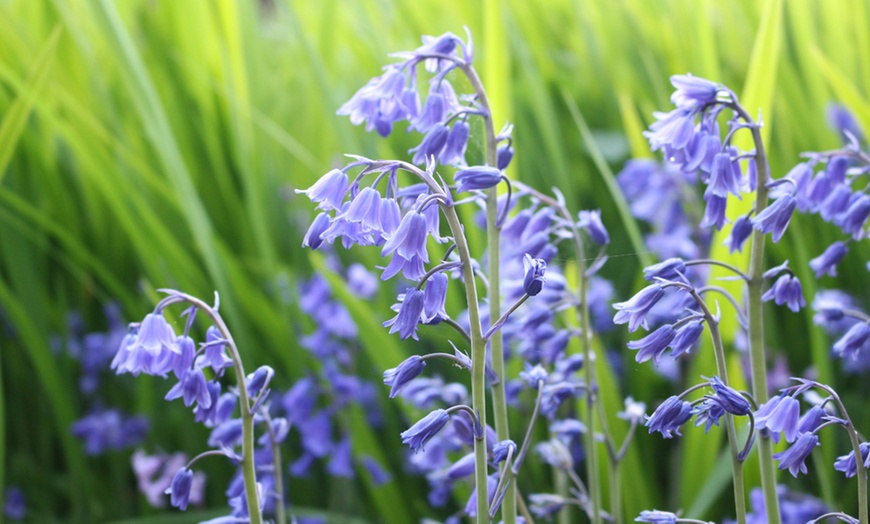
(843, 318)
(692, 141)
(154, 347)
(103, 428)
(154, 475)
(312, 404)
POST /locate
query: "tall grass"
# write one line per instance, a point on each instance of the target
(146, 144)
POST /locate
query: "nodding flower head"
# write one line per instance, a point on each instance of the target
(432, 145)
(794, 457)
(826, 263)
(670, 269)
(329, 190)
(477, 177)
(402, 375)
(787, 290)
(420, 433)
(846, 463)
(740, 232)
(591, 222)
(410, 311)
(179, 489)
(409, 240)
(653, 345)
(534, 279)
(153, 349)
(656, 517)
(728, 397)
(781, 413)
(193, 388)
(853, 342)
(775, 218)
(635, 310)
(686, 336)
(693, 92)
(669, 416)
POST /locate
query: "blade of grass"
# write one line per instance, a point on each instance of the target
(16, 116)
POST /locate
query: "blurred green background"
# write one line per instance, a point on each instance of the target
(148, 144)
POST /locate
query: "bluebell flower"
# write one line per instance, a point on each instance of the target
(390, 216)
(259, 380)
(836, 203)
(185, 358)
(504, 155)
(686, 337)
(714, 212)
(409, 315)
(775, 217)
(228, 434)
(399, 377)
(846, 463)
(634, 411)
(221, 408)
(740, 232)
(591, 222)
(462, 467)
(380, 103)
(546, 504)
(14, 504)
(329, 190)
(420, 433)
(801, 175)
(214, 354)
(669, 416)
(193, 388)
(793, 458)
(432, 145)
(853, 219)
(672, 130)
(454, 151)
(500, 450)
(786, 290)
(477, 177)
(534, 278)
(836, 168)
(669, 269)
(850, 344)
(653, 345)
(435, 297)
(409, 241)
(724, 178)
(109, 429)
(341, 462)
(379, 475)
(693, 92)
(826, 263)
(780, 413)
(533, 375)
(708, 412)
(656, 517)
(812, 419)
(555, 394)
(440, 102)
(179, 490)
(635, 310)
(365, 208)
(360, 280)
(151, 350)
(555, 453)
(842, 120)
(728, 397)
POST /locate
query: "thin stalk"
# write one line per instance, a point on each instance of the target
(757, 360)
(493, 238)
(478, 362)
(280, 510)
(249, 474)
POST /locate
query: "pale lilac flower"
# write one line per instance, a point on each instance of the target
(329, 190)
(793, 458)
(399, 377)
(775, 217)
(669, 416)
(420, 433)
(477, 177)
(787, 290)
(591, 222)
(826, 263)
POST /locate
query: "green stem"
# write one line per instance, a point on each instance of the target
(722, 370)
(478, 362)
(249, 474)
(280, 516)
(615, 492)
(757, 360)
(496, 342)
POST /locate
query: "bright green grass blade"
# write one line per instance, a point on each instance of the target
(16, 116)
(616, 196)
(846, 91)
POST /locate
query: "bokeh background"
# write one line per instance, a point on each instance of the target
(148, 144)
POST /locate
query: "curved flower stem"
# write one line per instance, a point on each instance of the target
(722, 370)
(711, 262)
(249, 474)
(860, 469)
(493, 237)
(588, 364)
(280, 516)
(757, 360)
(478, 361)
